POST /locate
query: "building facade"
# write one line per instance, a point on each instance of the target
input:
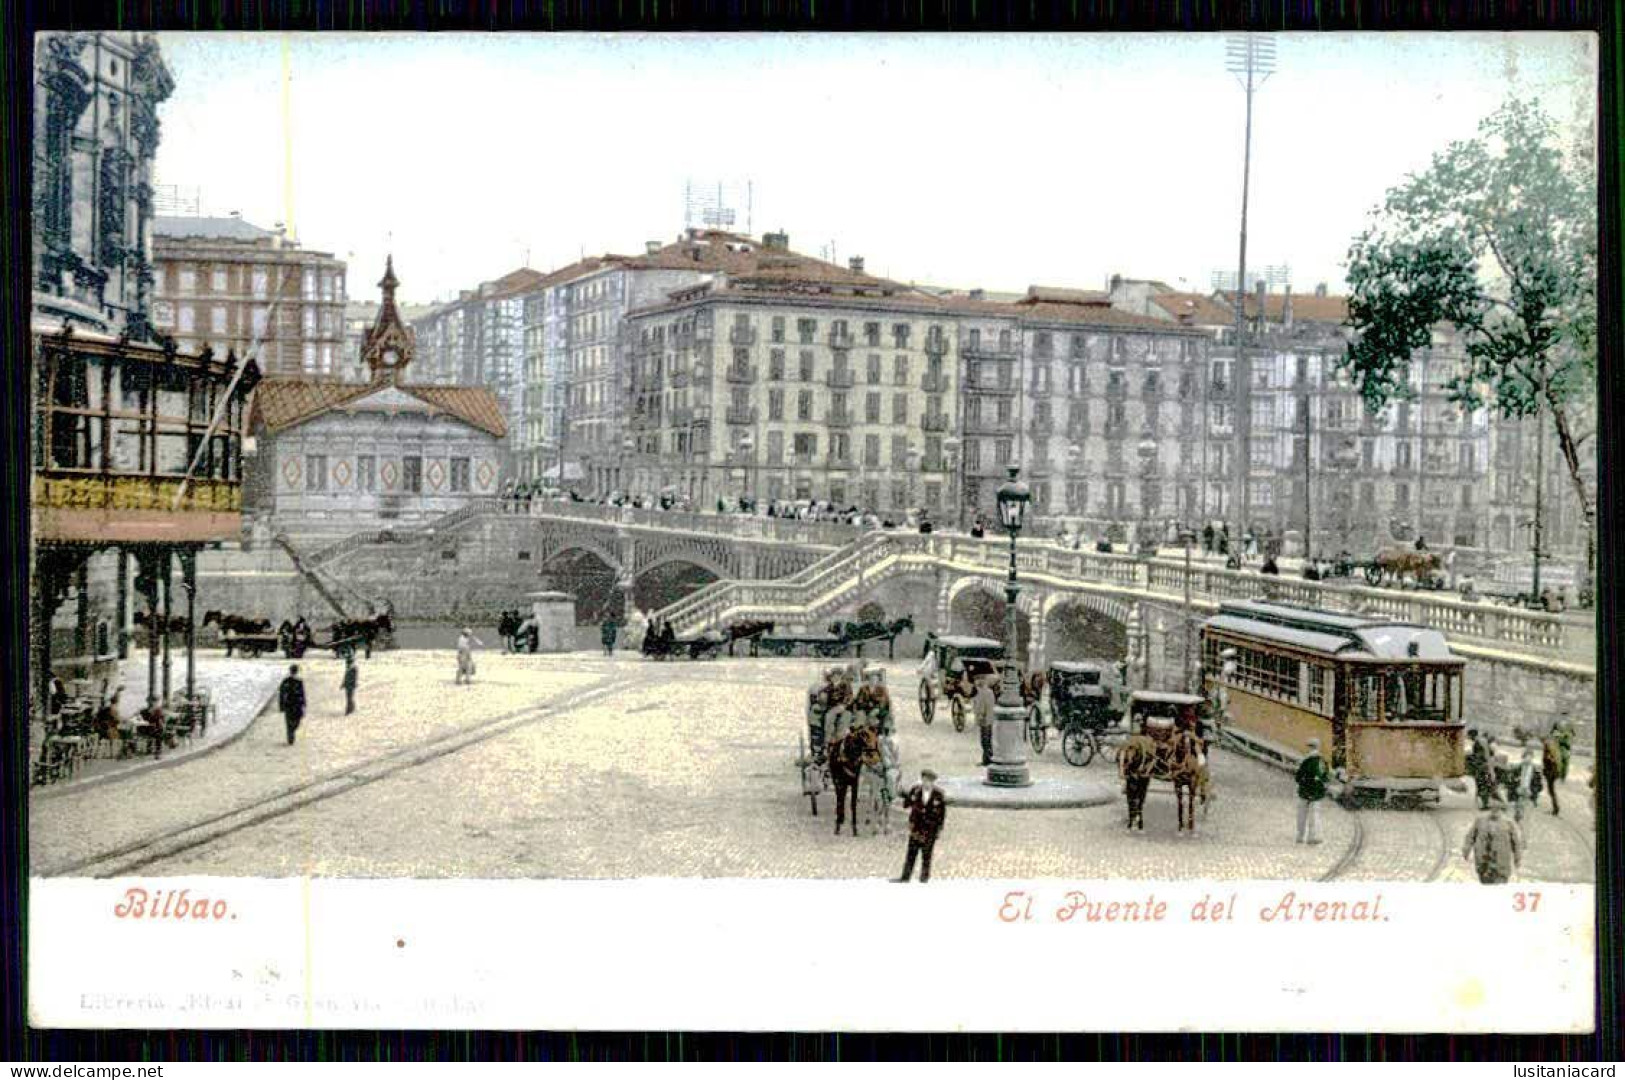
(96, 133)
(337, 457)
(231, 286)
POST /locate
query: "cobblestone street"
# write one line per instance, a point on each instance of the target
(578, 766)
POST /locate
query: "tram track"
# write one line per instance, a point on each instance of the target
(1361, 842)
(182, 838)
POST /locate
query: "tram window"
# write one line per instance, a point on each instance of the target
(172, 456)
(1365, 698)
(129, 446)
(71, 389)
(75, 441)
(133, 387)
(1319, 678)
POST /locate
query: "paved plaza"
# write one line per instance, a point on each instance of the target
(579, 766)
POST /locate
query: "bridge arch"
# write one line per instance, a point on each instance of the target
(1085, 626)
(976, 608)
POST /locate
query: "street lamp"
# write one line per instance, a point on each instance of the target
(951, 446)
(747, 447)
(627, 446)
(1009, 767)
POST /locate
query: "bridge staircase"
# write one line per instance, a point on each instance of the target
(324, 586)
(440, 526)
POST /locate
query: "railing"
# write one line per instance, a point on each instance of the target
(934, 422)
(983, 351)
(741, 414)
(841, 379)
(990, 386)
(936, 344)
(934, 383)
(840, 339)
(738, 374)
(742, 335)
(838, 419)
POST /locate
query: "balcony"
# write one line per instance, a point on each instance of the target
(981, 385)
(838, 419)
(839, 338)
(741, 414)
(936, 344)
(934, 422)
(1219, 389)
(738, 373)
(988, 427)
(934, 383)
(742, 335)
(841, 379)
(934, 464)
(1043, 425)
(840, 461)
(1116, 390)
(1077, 430)
(981, 350)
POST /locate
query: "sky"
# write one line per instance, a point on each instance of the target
(992, 161)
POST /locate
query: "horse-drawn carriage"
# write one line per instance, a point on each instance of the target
(848, 746)
(863, 632)
(1082, 706)
(1402, 566)
(1167, 745)
(661, 644)
(953, 666)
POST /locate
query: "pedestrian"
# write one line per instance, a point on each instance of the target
(351, 676)
(1207, 538)
(1495, 845)
(465, 655)
(1563, 733)
(1481, 768)
(606, 634)
(1525, 785)
(1551, 767)
(927, 810)
(1313, 773)
(984, 703)
(291, 700)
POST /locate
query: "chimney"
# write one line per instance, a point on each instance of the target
(855, 263)
(651, 247)
(1320, 290)
(978, 294)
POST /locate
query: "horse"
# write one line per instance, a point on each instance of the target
(236, 624)
(747, 630)
(885, 785)
(1187, 770)
(848, 755)
(177, 624)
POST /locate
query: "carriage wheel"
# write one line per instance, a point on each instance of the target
(1373, 575)
(1077, 747)
(957, 707)
(928, 704)
(1037, 730)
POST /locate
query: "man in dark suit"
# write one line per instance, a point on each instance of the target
(291, 699)
(351, 677)
(927, 808)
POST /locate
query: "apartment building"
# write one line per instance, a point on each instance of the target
(223, 283)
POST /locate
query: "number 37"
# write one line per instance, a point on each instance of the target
(1526, 901)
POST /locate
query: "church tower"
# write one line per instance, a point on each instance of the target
(390, 343)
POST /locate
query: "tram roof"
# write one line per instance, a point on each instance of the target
(1370, 639)
(956, 642)
(1306, 617)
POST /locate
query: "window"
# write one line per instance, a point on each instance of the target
(973, 454)
(900, 371)
(217, 319)
(315, 472)
(778, 333)
(1467, 498)
(871, 450)
(327, 358)
(871, 333)
(1043, 343)
(899, 335)
(1402, 454)
(1368, 494)
(1261, 455)
(806, 446)
(1402, 494)
(806, 359)
(261, 319)
(899, 408)
(186, 281)
(804, 401)
(217, 279)
(1005, 408)
(310, 356)
(366, 473)
(1466, 458)
(775, 365)
(459, 474)
(899, 451)
(840, 448)
(1001, 452)
(310, 285)
(775, 404)
(775, 448)
(188, 319)
(327, 286)
(1263, 493)
(806, 330)
(871, 408)
(412, 475)
(1263, 414)
(874, 369)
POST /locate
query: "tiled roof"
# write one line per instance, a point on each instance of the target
(1193, 309)
(522, 280)
(207, 228)
(1046, 294)
(1306, 307)
(284, 403)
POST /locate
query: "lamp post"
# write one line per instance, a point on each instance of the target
(747, 447)
(1009, 767)
(952, 446)
(627, 446)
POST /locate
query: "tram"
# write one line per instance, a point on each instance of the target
(1383, 697)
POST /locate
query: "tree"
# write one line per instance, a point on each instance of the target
(1498, 237)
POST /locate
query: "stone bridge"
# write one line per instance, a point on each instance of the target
(1075, 604)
